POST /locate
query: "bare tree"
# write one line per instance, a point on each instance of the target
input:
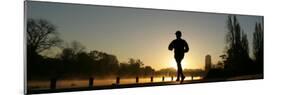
(41, 35)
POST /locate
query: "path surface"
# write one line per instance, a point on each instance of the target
(246, 77)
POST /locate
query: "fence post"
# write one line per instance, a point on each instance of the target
(117, 80)
(137, 79)
(151, 79)
(91, 82)
(191, 77)
(53, 83)
(163, 78)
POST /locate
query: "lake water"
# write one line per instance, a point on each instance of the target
(36, 84)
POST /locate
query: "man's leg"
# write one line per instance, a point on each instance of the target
(178, 73)
(182, 75)
(178, 76)
(179, 70)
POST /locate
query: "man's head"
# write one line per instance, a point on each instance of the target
(178, 34)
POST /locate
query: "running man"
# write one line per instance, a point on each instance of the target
(180, 47)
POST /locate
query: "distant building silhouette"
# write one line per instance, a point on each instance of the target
(208, 62)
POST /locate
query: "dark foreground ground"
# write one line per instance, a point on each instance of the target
(113, 86)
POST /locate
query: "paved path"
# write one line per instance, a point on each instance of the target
(247, 77)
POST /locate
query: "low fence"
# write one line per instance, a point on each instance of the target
(53, 81)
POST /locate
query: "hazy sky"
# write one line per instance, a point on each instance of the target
(141, 33)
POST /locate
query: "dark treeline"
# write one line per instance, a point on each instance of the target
(236, 59)
(134, 68)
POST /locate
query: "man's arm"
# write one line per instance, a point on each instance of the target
(171, 46)
(186, 47)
